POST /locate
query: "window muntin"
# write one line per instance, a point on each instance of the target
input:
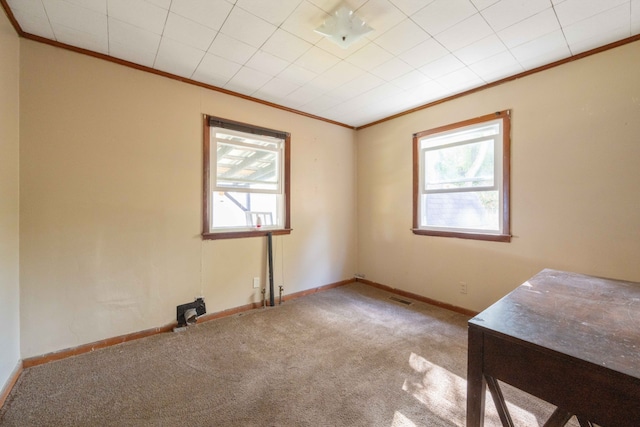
(246, 182)
(461, 179)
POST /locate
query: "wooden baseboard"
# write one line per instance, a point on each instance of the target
(86, 348)
(420, 298)
(4, 392)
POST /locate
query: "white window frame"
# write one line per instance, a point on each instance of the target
(454, 136)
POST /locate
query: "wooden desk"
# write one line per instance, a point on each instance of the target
(569, 339)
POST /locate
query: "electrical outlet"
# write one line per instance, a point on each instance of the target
(256, 282)
(463, 287)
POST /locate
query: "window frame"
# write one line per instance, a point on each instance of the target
(505, 235)
(217, 122)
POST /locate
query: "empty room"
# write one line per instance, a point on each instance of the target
(320, 212)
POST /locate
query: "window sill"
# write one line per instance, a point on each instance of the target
(460, 235)
(243, 234)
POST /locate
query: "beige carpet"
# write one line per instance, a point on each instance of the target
(350, 356)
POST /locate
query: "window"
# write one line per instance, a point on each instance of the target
(461, 179)
(246, 180)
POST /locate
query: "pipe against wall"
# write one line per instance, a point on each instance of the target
(270, 257)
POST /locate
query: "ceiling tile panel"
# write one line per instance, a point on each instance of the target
(139, 13)
(298, 74)
(247, 81)
(330, 6)
(267, 63)
(177, 58)
(402, 37)
(392, 69)
(598, 30)
(302, 96)
(483, 4)
(247, 28)
(132, 43)
(496, 67)
(381, 15)
(306, 18)
(165, 4)
(210, 13)
(409, 7)
(81, 39)
(31, 7)
(573, 11)
(635, 17)
(542, 50)
(215, 70)
(274, 12)
(410, 80)
(357, 87)
(445, 65)
(35, 23)
(276, 88)
(369, 57)
(531, 28)
(506, 13)
(231, 49)
(286, 46)
(464, 33)
(443, 14)
(73, 17)
(188, 32)
(480, 50)
(317, 60)
(424, 53)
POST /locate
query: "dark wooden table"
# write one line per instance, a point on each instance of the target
(569, 339)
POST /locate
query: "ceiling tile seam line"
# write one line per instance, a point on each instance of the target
(164, 27)
(564, 36)
(210, 44)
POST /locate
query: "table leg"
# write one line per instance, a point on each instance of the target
(476, 383)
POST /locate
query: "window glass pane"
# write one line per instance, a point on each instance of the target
(461, 135)
(241, 210)
(458, 166)
(465, 210)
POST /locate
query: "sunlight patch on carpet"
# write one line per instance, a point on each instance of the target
(445, 394)
(400, 420)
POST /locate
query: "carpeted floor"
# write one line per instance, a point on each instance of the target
(350, 356)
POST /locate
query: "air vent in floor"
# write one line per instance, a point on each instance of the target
(400, 300)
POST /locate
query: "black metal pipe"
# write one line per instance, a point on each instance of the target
(270, 252)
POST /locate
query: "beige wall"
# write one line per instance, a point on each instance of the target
(111, 163)
(9, 200)
(575, 195)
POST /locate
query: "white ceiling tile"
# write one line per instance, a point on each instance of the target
(74, 37)
(317, 60)
(231, 49)
(286, 46)
(598, 30)
(483, 4)
(330, 6)
(139, 13)
(306, 18)
(443, 14)
(543, 50)
(573, 11)
(357, 87)
(381, 15)
(247, 81)
(132, 43)
(247, 28)
(177, 58)
(99, 6)
(188, 32)
(391, 69)
(273, 11)
(485, 48)
(409, 7)
(531, 28)
(215, 70)
(210, 13)
(74, 17)
(298, 74)
(424, 53)
(341, 73)
(460, 80)
(496, 67)
(469, 31)
(439, 67)
(402, 37)
(505, 13)
(267, 63)
(276, 88)
(333, 48)
(411, 80)
(320, 104)
(430, 91)
(31, 7)
(36, 24)
(635, 17)
(165, 4)
(369, 57)
(302, 96)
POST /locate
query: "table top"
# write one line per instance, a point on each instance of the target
(589, 318)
